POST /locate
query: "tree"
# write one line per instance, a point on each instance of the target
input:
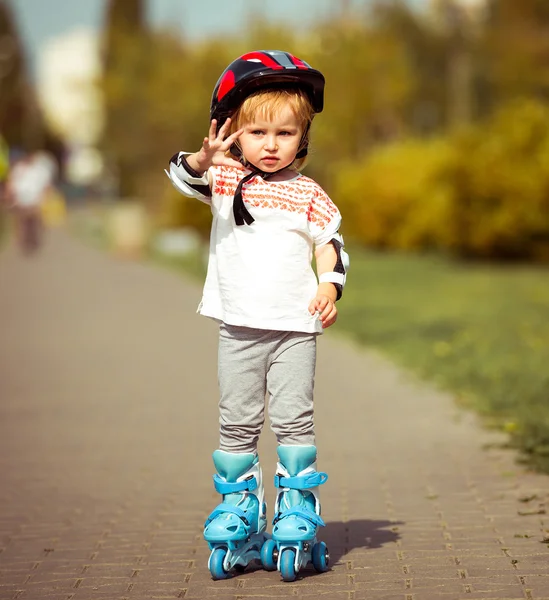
(426, 47)
(20, 119)
(125, 77)
(517, 48)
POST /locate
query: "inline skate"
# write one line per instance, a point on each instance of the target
(235, 530)
(297, 515)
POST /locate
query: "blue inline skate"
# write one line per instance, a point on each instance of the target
(235, 530)
(297, 515)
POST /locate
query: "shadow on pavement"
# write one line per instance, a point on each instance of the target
(341, 537)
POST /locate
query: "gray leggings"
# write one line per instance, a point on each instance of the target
(253, 362)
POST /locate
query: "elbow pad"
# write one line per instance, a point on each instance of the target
(339, 275)
(187, 181)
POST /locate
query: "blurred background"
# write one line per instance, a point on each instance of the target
(431, 107)
(434, 143)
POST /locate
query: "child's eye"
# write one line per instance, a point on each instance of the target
(257, 132)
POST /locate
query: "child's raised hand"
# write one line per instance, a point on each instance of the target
(216, 145)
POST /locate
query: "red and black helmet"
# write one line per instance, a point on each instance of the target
(263, 69)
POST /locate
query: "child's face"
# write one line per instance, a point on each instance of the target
(272, 145)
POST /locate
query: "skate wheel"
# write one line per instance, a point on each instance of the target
(269, 555)
(216, 564)
(287, 564)
(320, 557)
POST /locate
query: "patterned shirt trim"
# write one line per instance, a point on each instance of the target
(301, 196)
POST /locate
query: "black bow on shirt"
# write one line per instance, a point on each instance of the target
(240, 212)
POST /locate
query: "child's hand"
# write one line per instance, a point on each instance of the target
(215, 146)
(326, 309)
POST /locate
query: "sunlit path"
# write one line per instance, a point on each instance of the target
(108, 418)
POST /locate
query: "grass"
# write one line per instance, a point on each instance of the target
(478, 330)
(193, 263)
(481, 331)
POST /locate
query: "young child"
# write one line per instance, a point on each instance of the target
(261, 288)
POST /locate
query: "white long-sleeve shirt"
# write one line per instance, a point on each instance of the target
(260, 275)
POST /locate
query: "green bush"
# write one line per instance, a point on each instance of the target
(499, 174)
(395, 197)
(482, 192)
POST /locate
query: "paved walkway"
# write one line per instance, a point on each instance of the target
(108, 421)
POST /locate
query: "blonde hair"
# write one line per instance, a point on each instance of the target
(267, 103)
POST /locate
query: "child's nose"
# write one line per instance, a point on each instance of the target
(270, 142)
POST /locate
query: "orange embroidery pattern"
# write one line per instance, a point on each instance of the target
(226, 180)
(299, 196)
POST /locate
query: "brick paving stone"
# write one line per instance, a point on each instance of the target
(108, 414)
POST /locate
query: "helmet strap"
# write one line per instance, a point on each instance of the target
(304, 144)
(240, 212)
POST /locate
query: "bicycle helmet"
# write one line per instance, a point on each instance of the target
(262, 69)
(252, 72)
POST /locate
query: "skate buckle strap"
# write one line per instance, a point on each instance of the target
(227, 508)
(304, 482)
(230, 487)
(300, 511)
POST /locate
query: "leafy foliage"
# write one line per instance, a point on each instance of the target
(127, 68)
(395, 197)
(516, 48)
(500, 178)
(482, 192)
(20, 121)
(391, 77)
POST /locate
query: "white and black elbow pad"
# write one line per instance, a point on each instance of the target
(186, 180)
(339, 275)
